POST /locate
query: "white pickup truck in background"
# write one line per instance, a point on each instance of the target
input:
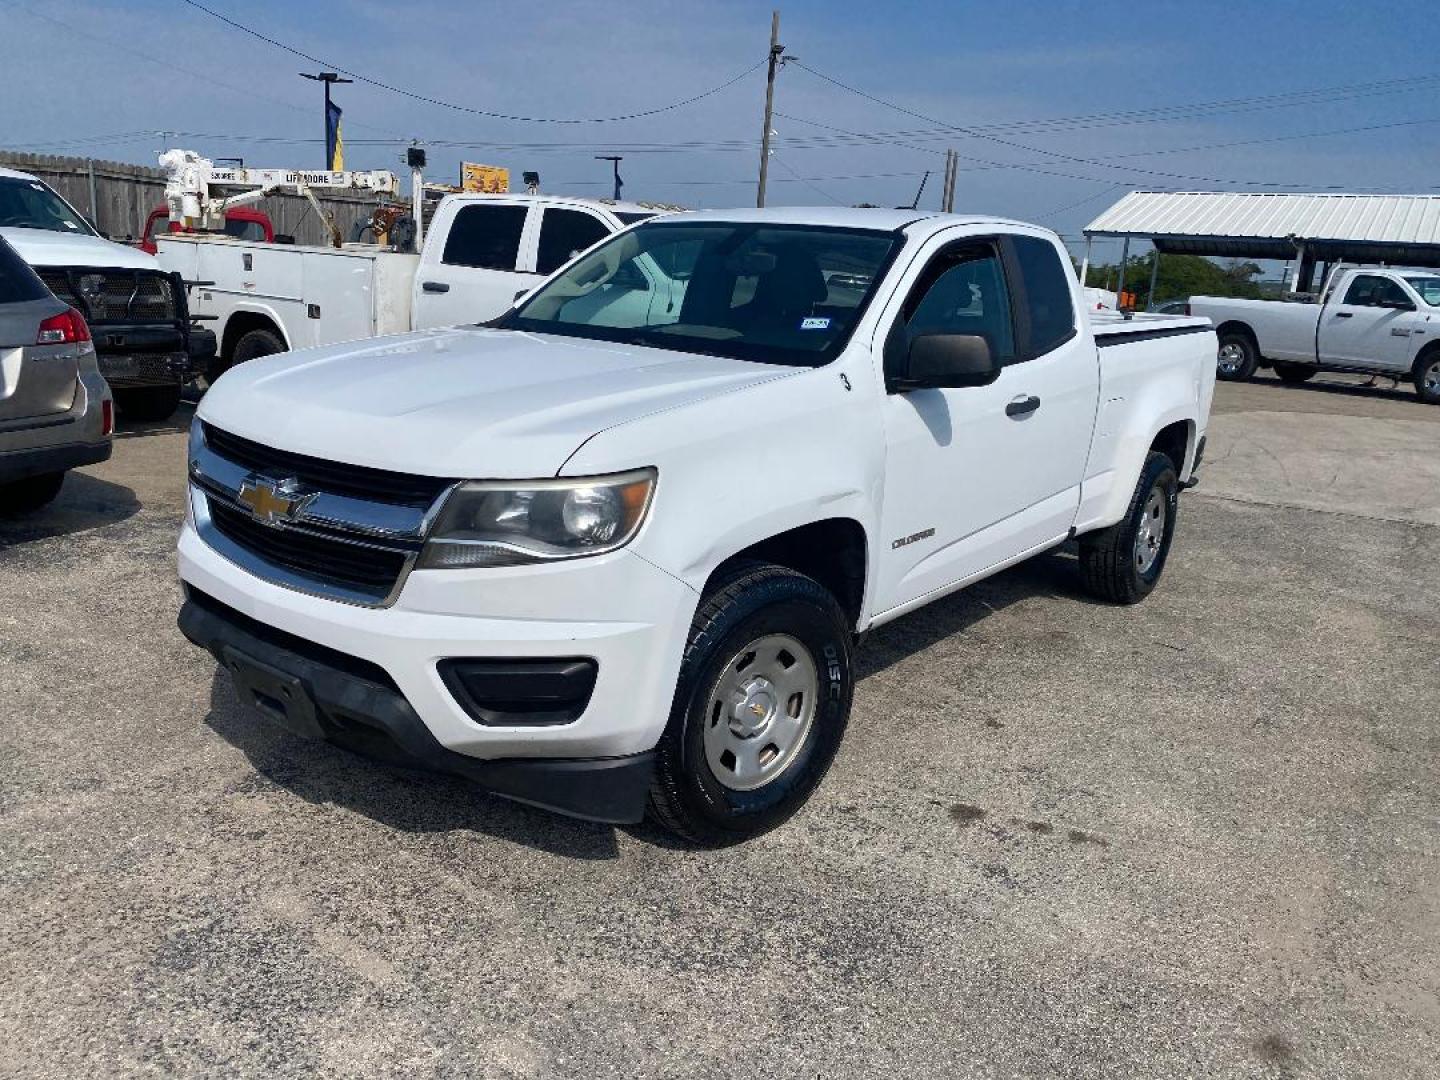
(616, 548)
(479, 251)
(1367, 321)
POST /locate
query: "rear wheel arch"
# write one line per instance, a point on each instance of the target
(242, 323)
(1174, 441)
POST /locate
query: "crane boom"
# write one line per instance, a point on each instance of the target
(194, 188)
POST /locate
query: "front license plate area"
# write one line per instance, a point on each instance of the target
(275, 694)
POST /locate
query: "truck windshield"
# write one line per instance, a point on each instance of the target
(777, 294)
(1428, 286)
(29, 204)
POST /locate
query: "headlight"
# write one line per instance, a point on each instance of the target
(508, 523)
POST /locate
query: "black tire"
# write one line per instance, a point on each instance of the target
(255, 344)
(1427, 377)
(755, 600)
(147, 404)
(1241, 346)
(1110, 563)
(1294, 373)
(30, 494)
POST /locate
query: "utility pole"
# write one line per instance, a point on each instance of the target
(947, 196)
(775, 50)
(329, 78)
(614, 160)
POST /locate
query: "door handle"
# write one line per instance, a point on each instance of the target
(1344, 314)
(1022, 406)
(435, 286)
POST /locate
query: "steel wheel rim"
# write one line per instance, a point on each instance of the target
(1431, 378)
(760, 711)
(1151, 533)
(1232, 358)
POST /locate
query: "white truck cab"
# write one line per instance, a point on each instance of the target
(479, 252)
(615, 549)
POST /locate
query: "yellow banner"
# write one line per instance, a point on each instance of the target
(491, 179)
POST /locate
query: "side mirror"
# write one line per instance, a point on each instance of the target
(937, 361)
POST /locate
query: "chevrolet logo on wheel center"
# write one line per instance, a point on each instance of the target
(273, 501)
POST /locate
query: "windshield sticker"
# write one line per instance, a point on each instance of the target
(814, 324)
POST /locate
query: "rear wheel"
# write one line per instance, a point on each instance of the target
(255, 344)
(1237, 357)
(23, 496)
(760, 707)
(1294, 373)
(144, 404)
(1123, 563)
(1427, 377)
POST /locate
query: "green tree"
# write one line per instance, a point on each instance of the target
(1181, 277)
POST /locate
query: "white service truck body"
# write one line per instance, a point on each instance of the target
(478, 252)
(616, 549)
(1366, 320)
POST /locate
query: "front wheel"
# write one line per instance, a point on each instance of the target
(1122, 564)
(1237, 357)
(1427, 377)
(761, 706)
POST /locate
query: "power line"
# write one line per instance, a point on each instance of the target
(1055, 154)
(466, 108)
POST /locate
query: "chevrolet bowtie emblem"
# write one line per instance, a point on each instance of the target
(271, 501)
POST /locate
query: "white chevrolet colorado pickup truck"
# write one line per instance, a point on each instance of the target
(1366, 321)
(615, 549)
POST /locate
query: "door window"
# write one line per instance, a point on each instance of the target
(963, 291)
(1048, 302)
(563, 235)
(487, 237)
(17, 281)
(1368, 290)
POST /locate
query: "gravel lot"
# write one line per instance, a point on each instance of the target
(1197, 837)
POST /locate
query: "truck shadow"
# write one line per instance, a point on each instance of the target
(85, 502)
(381, 783)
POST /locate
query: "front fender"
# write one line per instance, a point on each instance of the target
(739, 468)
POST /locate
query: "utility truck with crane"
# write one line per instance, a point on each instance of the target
(478, 253)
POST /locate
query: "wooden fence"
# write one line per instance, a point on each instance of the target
(118, 197)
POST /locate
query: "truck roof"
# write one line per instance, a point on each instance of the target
(857, 217)
(615, 206)
(13, 174)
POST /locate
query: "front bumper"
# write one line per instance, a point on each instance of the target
(317, 693)
(152, 355)
(618, 610)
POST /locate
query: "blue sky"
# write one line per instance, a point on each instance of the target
(83, 70)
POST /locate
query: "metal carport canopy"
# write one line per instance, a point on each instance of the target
(1399, 229)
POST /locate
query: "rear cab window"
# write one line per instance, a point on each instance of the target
(485, 237)
(1048, 307)
(564, 234)
(18, 283)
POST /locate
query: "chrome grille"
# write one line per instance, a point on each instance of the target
(346, 534)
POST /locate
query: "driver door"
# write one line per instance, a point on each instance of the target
(978, 476)
(1371, 327)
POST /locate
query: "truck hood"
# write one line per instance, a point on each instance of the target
(41, 247)
(468, 403)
